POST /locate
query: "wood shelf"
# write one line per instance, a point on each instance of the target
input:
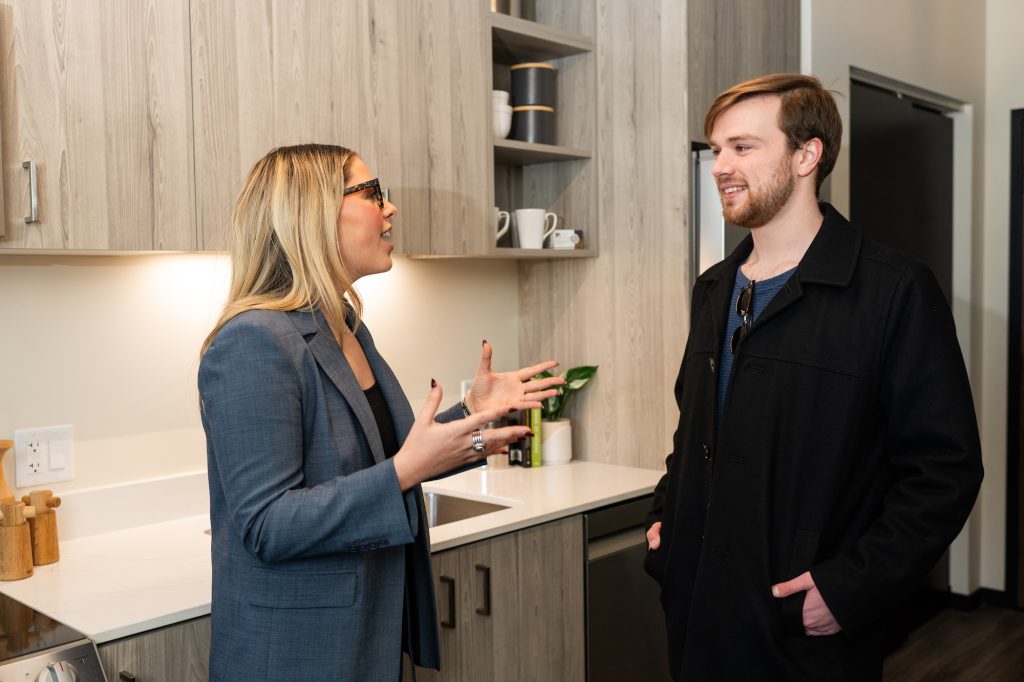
(518, 40)
(505, 253)
(516, 153)
(543, 254)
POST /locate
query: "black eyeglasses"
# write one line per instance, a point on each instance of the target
(380, 194)
(744, 308)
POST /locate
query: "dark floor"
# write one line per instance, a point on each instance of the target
(986, 644)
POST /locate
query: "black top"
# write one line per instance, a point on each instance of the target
(382, 416)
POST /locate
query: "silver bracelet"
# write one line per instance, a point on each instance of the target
(465, 408)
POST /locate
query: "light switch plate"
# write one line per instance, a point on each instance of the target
(43, 455)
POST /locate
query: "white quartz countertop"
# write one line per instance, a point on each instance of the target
(535, 496)
(115, 584)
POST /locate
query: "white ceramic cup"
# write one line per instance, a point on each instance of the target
(531, 223)
(499, 97)
(502, 220)
(502, 120)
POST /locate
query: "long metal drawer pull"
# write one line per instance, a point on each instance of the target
(485, 610)
(450, 621)
(33, 192)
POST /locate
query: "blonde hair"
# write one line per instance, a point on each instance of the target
(284, 238)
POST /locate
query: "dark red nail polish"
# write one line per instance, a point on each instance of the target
(433, 383)
(511, 410)
(530, 434)
(483, 342)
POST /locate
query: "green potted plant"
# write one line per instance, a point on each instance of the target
(556, 431)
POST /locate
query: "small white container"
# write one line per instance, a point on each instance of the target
(499, 97)
(502, 120)
(556, 442)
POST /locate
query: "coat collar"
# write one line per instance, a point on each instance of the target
(831, 258)
(317, 333)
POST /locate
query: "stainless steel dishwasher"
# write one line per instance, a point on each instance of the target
(625, 624)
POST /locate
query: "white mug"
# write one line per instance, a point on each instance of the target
(502, 219)
(531, 224)
(564, 239)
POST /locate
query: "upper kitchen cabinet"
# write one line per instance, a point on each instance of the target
(558, 177)
(401, 83)
(734, 40)
(96, 123)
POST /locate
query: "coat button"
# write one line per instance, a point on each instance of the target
(711, 363)
(707, 451)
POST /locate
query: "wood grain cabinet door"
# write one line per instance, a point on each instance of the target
(402, 83)
(550, 596)
(518, 607)
(178, 653)
(95, 94)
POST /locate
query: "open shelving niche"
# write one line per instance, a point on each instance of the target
(559, 177)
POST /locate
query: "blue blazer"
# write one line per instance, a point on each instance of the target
(309, 526)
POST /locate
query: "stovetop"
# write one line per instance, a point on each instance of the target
(24, 631)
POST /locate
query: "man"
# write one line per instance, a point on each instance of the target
(827, 451)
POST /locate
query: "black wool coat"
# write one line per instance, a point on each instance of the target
(848, 446)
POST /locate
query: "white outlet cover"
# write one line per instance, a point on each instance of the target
(43, 455)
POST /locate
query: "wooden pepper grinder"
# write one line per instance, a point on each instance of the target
(5, 491)
(15, 540)
(43, 526)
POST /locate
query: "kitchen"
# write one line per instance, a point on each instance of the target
(109, 343)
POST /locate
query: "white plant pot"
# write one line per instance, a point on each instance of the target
(556, 442)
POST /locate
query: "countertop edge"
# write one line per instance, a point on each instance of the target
(142, 627)
(544, 517)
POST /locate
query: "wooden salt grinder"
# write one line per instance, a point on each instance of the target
(43, 527)
(15, 540)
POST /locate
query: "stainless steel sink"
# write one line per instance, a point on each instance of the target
(442, 509)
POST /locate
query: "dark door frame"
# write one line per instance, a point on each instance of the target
(1015, 429)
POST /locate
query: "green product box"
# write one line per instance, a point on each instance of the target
(535, 426)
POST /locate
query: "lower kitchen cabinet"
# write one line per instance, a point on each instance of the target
(177, 653)
(511, 607)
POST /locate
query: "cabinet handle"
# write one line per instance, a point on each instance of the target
(126, 676)
(33, 192)
(450, 621)
(485, 610)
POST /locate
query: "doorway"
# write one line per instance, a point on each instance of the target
(1015, 404)
(901, 194)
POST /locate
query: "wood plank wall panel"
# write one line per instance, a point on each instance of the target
(735, 40)
(626, 310)
(97, 93)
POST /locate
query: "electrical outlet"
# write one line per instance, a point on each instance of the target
(43, 455)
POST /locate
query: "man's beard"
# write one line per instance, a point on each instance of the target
(764, 203)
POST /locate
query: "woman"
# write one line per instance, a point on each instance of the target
(321, 557)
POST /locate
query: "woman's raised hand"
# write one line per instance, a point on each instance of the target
(493, 390)
(433, 448)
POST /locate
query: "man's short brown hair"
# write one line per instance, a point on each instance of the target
(807, 111)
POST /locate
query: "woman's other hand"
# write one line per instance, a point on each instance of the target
(433, 448)
(494, 390)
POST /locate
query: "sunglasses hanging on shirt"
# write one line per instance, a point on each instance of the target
(745, 309)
